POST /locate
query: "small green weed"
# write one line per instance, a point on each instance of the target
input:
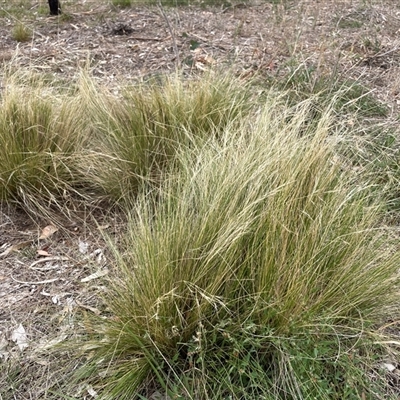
(65, 17)
(348, 23)
(122, 3)
(43, 9)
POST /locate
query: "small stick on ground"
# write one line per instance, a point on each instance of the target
(172, 33)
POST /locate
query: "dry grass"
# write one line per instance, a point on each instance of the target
(138, 133)
(258, 246)
(311, 52)
(42, 135)
(21, 33)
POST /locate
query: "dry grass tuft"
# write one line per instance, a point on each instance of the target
(137, 135)
(254, 273)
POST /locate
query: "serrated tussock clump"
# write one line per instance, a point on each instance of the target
(42, 134)
(256, 271)
(137, 134)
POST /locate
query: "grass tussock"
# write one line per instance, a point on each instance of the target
(137, 134)
(258, 273)
(21, 33)
(89, 143)
(303, 81)
(42, 134)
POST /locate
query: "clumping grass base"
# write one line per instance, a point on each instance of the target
(137, 134)
(84, 142)
(256, 271)
(42, 134)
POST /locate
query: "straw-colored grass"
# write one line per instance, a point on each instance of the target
(136, 135)
(42, 133)
(257, 271)
(94, 144)
(21, 32)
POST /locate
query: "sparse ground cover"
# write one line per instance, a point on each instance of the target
(199, 200)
